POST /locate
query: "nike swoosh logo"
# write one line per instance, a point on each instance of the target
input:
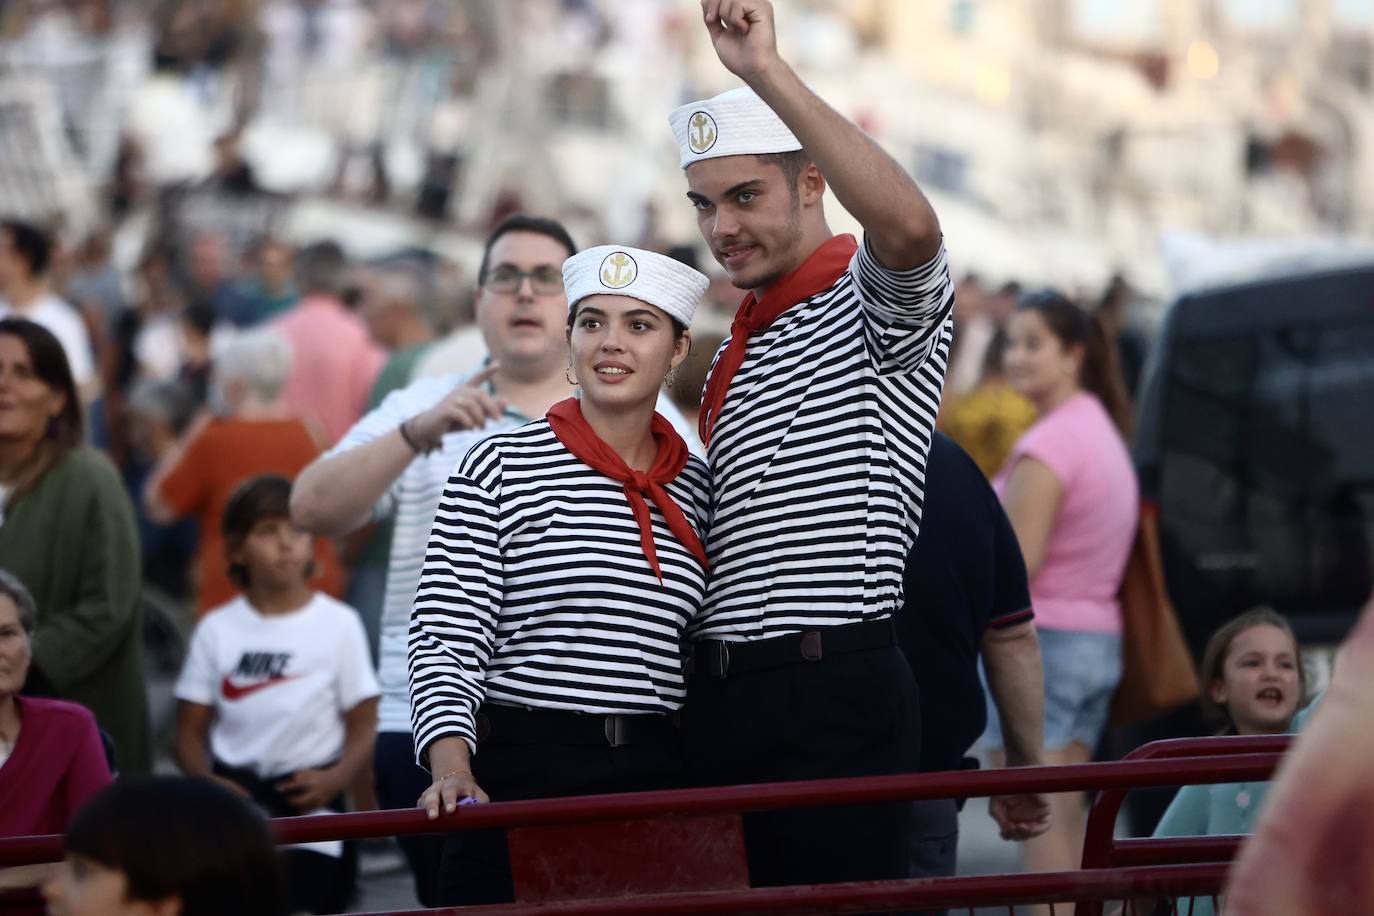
(234, 691)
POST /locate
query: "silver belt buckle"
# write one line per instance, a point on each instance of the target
(615, 731)
(723, 657)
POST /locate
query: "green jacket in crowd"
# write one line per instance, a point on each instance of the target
(72, 540)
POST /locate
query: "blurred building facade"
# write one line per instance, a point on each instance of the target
(1059, 138)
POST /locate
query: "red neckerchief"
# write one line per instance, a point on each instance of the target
(572, 429)
(817, 273)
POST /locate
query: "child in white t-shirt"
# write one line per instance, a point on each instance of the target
(278, 700)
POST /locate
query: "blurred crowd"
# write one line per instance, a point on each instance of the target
(983, 410)
(192, 343)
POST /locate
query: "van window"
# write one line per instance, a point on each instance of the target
(1266, 486)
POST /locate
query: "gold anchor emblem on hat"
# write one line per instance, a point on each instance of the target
(702, 135)
(618, 270)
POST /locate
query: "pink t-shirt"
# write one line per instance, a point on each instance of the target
(333, 364)
(1094, 527)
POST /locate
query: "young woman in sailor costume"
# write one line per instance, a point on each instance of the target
(564, 565)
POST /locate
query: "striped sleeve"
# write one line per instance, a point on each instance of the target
(457, 605)
(907, 311)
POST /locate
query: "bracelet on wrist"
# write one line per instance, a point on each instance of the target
(448, 775)
(410, 440)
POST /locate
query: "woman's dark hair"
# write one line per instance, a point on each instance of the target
(322, 267)
(51, 367)
(31, 243)
(257, 498)
(522, 222)
(1219, 647)
(1100, 374)
(994, 357)
(172, 836)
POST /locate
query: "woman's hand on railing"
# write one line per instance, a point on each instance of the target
(449, 791)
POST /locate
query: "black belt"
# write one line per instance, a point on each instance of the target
(718, 658)
(515, 725)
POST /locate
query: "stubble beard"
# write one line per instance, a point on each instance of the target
(787, 253)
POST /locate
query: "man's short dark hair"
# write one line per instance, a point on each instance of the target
(792, 165)
(521, 222)
(323, 268)
(184, 837)
(265, 496)
(31, 243)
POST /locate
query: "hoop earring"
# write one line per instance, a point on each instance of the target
(567, 374)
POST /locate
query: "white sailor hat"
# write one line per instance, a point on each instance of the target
(734, 123)
(619, 270)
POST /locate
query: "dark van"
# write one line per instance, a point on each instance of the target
(1256, 442)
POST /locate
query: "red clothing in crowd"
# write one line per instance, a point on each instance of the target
(57, 764)
(223, 455)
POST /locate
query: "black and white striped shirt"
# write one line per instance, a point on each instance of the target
(536, 592)
(818, 456)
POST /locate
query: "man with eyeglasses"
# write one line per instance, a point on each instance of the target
(395, 461)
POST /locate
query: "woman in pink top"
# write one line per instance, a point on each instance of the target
(51, 758)
(1071, 493)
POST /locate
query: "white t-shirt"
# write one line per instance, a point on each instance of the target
(67, 326)
(279, 683)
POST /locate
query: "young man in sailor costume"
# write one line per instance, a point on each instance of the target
(818, 417)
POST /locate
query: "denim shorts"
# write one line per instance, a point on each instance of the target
(1082, 670)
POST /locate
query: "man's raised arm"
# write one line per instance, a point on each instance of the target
(900, 225)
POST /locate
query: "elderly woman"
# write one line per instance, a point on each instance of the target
(564, 565)
(51, 758)
(67, 532)
(249, 434)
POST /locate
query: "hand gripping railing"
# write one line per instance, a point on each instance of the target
(1204, 874)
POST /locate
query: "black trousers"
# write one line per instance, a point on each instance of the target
(852, 714)
(400, 782)
(315, 882)
(934, 840)
(514, 762)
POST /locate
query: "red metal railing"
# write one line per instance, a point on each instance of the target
(1102, 849)
(1136, 866)
(1008, 891)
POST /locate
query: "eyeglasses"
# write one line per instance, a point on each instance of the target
(545, 281)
